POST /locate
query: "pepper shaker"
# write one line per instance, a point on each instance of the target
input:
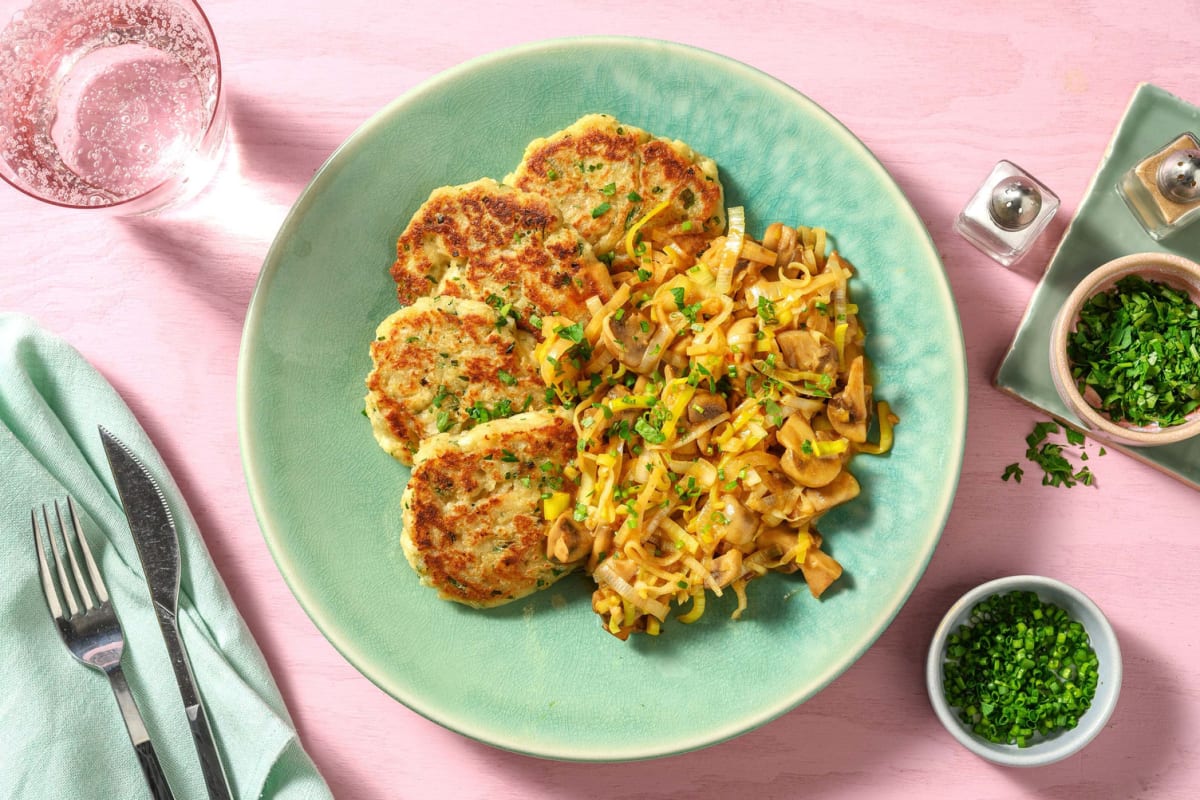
(1163, 189)
(1007, 213)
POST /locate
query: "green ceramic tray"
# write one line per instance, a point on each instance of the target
(540, 676)
(1104, 229)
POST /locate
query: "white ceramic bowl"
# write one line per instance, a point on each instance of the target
(1173, 270)
(1057, 746)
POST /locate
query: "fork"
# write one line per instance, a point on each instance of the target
(90, 629)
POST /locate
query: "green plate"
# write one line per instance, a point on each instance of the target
(540, 676)
(1104, 229)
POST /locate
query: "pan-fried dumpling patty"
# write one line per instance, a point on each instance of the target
(442, 365)
(606, 175)
(474, 527)
(490, 242)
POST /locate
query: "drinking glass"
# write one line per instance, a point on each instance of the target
(109, 104)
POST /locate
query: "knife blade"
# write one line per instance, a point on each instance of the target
(154, 534)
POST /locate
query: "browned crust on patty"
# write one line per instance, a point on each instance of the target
(473, 522)
(697, 211)
(484, 240)
(573, 169)
(606, 175)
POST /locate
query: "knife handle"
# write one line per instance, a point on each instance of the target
(206, 748)
(159, 789)
(210, 760)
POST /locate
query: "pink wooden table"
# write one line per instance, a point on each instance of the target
(939, 92)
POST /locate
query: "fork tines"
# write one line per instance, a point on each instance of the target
(84, 586)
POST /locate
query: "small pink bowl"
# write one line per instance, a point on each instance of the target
(1175, 271)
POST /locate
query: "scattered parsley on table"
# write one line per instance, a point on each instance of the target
(1052, 457)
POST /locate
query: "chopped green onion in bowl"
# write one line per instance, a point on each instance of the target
(1019, 667)
(1024, 670)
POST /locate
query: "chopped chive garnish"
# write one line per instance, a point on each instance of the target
(1020, 668)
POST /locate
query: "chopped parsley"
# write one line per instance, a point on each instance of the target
(572, 333)
(1138, 347)
(773, 411)
(1054, 457)
(689, 312)
(647, 431)
(480, 412)
(1013, 470)
(766, 310)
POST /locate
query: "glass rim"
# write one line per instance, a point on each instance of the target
(209, 126)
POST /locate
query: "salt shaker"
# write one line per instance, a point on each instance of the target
(1007, 214)
(1163, 189)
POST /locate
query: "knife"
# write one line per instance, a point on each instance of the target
(153, 530)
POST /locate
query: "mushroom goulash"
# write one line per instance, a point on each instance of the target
(716, 385)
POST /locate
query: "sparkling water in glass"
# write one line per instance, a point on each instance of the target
(109, 103)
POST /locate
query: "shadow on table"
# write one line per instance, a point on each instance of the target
(839, 742)
(277, 146)
(1135, 750)
(819, 750)
(216, 242)
(214, 245)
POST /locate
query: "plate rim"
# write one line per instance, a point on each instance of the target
(312, 605)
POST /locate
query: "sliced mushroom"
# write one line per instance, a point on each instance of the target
(778, 542)
(805, 468)
(727, 568)
(808, 350)
(840, 490)
(627, 338)
(849, 411)
(741, 338)
(741, 523)
(705, 406)
(788, 242)
(772, 235)
(820, 570)
(568, 541)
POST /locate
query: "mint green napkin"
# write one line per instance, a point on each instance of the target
(61, 734)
